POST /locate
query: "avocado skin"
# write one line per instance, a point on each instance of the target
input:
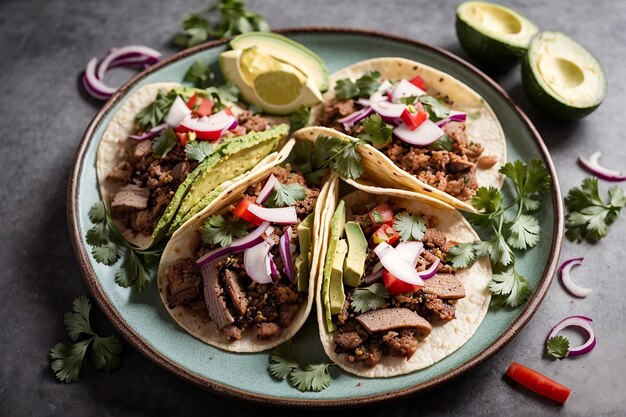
(545, 102)
(485, 50)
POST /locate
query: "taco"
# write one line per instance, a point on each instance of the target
(237, 276)
(389, 303)
(154, 178)
(446, 140)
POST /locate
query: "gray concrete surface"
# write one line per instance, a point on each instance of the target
(44, 44)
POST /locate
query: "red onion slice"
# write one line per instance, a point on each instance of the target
(178, 112)
(373, 277)
(405, 89)
(454, 116)
(273, 268)
(237, 245)
(256, 261)
(130, 52)
(565, 271)
(284, 216)
(149, 134)
(210, 127)
(285, 255)
(425, 134)
(267, 189)
(397, 265)
(355, 117)
(593, 165)
(93, 82)
(388, 110)
(431, 271)
(583, 323)
(410, 251)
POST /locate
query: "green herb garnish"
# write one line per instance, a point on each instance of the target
(375, 130)
(164, 143)
(217, 231)
(197, 150)
(299, 118)
(557, 347)
(369, 298)
(285, 195)
(153, 114)
(199, 75)
(436, 108)
(338, 154)
(68, 360)
(444, 143)
(364, 86)
(304, 377)
(409, 226)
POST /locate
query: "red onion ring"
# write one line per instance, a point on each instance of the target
(431, 271)
(149, 134)
(238, 245)
(267, 189)
(397, 265)
(592, 165)
(257, 262)
(573, 288)
(285, 255)
(581, 322)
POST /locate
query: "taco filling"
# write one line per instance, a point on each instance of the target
(251, 266)
(418, 132)
(387, 282)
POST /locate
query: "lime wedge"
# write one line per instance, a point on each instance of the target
(278, 87)
(253, 63)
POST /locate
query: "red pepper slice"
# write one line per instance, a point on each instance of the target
(381, 214)
(413, 120)
(183, 138)
(386, 233)
(396, 286)
(242, 212)
(418, 82)
(538, 382)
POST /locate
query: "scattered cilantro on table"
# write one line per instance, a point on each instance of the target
(304, 377)
(108, 246)
(67, 360)
(364, 86)
(234, 19)
(285, 195)
(557, 347)
(217, 231)
(369, 298)
(589, 215)
(409, 226)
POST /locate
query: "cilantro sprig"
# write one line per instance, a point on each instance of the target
(557, 347)
(235, 19)
(409, 226)
(506, 234)
(338, 154)
(369, 298)
(199, 75)
(153, 114)
(589, 215)
(375, 130)
(304, 377)
(67, 360)
(364, 86)
(436, 108)
(299, 118)
(284, 195)
(198, 149)
(164, 143)
(217, 231)
(108, 246)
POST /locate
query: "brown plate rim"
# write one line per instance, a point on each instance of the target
(145, 348)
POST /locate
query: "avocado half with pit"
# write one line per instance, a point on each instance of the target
(493, 35)
(561, 77)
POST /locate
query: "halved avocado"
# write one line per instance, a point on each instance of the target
(493, 35)
(561, 77)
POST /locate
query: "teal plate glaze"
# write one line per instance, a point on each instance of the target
(142, 319)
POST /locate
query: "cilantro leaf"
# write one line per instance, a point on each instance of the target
(77, 320)
(557, 347)
(132, 273)
(369, 298)
(311, 377)
(282, 361)
(198, 149)
(524, 232)
(364, 86)
(153, 114)
(67, 360)
(199, 75)
(97, 212)
(223, 95)
(589, 216)
(488, 199)
(299, 118)
(285, 195)
(444, 143)
(375, 130)
(436, 109)
(98, 235)
(164, 143)
(338, 154)
(107, 253)
(409, 226)
(217, 231)
(105, 353)
(462, 255)
(345, 88)
(531, 181)
(509, 288)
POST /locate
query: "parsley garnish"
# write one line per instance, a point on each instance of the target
(299, 118)
(217, 231)
(198, 149)
(558, 347)
(199, 75)
(375, 130)
(364, 86)
(164, 143)
(68, 360)
(235, 19)
(108, 246)
(369, 298)
(338, 154)
(436, 108)
(444, 143)
(522, 232)
(285, 195)
(589, 216)
(308, 377)
(409, 226)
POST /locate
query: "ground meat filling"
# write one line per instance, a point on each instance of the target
(354, 340)
(160, 177)
(264, 309)
(453, 172)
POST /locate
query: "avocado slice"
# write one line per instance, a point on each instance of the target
(357, 252)
(493, 35)
(303, 266)
(231, 159)
(336, 295)
(337, 223)
(286, 50)
(561, 77)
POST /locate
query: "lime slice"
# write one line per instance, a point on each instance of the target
(253, 63)
(278, 87)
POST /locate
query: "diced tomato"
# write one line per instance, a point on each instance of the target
(191, 103)
(418, 82)
(182, 138)
(538, 382)
(381, 214)
(413, 120)
(200, 106)
(385, 233)
(396, 286)
(242, 212)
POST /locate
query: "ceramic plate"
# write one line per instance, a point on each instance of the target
(143, 320)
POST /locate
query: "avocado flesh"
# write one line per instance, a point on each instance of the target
(337, 223)
(357, 252)
(561, 77)
(337, 295)
(229, 160)
(303, 266)
(288, 51)
(493, 35)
